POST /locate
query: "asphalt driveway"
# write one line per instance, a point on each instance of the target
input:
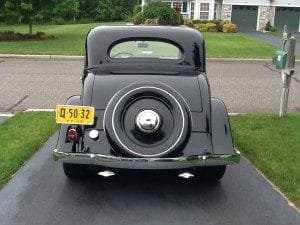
(244, 86)
(40, 194)
(271, 39)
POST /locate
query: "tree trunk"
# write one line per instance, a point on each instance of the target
(30, 28)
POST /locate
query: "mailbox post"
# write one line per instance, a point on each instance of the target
(286, 61)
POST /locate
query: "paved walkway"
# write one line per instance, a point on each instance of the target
(270, 39)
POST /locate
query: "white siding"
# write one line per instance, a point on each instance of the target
(291, 3)
(247, 2)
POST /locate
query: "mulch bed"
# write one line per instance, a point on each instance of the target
(9, 35)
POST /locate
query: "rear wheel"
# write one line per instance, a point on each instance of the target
(212, 173)
(75, 170)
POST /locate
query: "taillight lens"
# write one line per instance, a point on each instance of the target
(72, 135)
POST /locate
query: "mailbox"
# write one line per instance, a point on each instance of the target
(279, 59)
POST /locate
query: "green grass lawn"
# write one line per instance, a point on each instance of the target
(272, 144)
(20, 137)
(71, 40)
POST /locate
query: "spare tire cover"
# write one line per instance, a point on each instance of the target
(137, 100)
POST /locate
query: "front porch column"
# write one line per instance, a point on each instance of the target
(197, 9)
(211, 10)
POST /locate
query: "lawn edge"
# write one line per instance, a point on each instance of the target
(41, 145)
(275, 187)
(79, 57)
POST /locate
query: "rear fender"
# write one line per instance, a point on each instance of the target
(62, 142)
(221, 131)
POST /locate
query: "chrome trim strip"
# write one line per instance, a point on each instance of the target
(146, 163)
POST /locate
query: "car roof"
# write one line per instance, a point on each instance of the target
(100, 39)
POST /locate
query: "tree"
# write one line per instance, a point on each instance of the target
(115, 10)
(66, 9)
(88, 9)
(27, 11)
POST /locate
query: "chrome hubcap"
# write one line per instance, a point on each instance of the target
(148, 121)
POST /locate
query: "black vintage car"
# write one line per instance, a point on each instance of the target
(145, 105)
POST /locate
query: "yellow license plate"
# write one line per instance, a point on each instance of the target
(73, 114)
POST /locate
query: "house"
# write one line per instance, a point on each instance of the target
(247, 14)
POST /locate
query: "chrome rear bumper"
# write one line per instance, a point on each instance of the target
(146, 163)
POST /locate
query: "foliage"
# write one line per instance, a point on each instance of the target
(32, 11)
(189, 23)
(269, 27)
(137, 8)
(151, 22)
(65, 11)
(201, 27)
(211, 27)
(163, 13)
(207, 25)
(229, 28)
(217, 21)
(115, 10)
(219, 27)
(139, 18)
(10, 35)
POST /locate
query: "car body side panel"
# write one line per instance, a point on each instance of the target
(221, 132)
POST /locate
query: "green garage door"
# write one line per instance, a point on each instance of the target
(245, 17)
(287, 16)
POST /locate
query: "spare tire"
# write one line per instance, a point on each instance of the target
(147, 120)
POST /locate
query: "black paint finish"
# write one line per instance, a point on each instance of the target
(106, 80)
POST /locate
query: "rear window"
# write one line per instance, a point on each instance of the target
(145, 49)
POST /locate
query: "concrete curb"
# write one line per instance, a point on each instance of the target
(79, 58)
(39, 110)
(6, 115)
(42, 57)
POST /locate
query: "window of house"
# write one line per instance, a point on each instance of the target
(177, 6)
(204, 11)
(192, 10)
(184, 7)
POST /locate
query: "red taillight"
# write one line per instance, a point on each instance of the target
(72, 135)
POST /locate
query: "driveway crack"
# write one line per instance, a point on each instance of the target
(17, 103)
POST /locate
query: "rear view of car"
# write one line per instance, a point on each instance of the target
(145, 105)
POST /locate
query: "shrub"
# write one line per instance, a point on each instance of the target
(217, 21)
(138, 18)
(229, 28)
(163, 12)
(219, 27)
(201, 27)
(211, 27)
(200, 21)
(137, 8)
(10, 35)
(269, 27)
(189, 23)
(151, 22)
